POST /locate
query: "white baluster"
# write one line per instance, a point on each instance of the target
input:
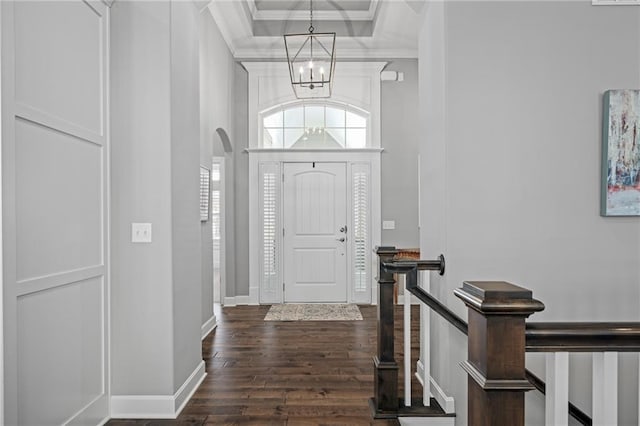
(407, 344)
(425, 345)
(605, 388)
(557, 394)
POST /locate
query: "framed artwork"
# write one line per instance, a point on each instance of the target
(620, 193)
(205, 177)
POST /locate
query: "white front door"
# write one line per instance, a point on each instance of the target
(315, 232)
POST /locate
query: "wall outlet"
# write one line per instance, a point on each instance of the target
(140, 232)
(388, 224)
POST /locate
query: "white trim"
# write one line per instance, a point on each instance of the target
(238, 301)
(106, 226)
(318, 15)
(427, 421)
(342, 150)
(58, 125)
(96, 409)
(446, 402)
(157, 406)
(223, 234)
(59, 279)
(345, 52)
(1, 245)
(208, 327)
(615, 2)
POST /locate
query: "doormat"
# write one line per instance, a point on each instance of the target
(314, 312)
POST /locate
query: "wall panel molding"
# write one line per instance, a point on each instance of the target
(55, 58)
(48, 282)
(57, 124)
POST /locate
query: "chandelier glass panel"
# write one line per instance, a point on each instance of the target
(311, 59)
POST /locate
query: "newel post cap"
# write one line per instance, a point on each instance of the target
(498, 298)
(385, 250)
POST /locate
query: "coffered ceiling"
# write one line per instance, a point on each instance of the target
(376, 29)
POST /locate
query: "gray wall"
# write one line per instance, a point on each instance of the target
(511, 167)
(399, 161)
(155, 154)
(241, 188)
(185, 190)
(216, 112)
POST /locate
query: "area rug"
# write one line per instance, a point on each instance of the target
(313, 312)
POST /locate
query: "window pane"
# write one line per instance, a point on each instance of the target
(314, 116)
(337, 135)
(272, 138)
(356, 138)
(273, 120)
(335, 117)
(291, 136)
(294, 117)
(354, 120)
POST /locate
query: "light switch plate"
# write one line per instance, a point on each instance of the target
(388, 224)
(140, 232)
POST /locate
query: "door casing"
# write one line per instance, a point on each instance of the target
(368, 158)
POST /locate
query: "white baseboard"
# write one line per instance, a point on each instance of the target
(254, 295)
(95, 412)
(236, 301)
(446, 402)
(427, 421)
(208, 327)
(157, 406)
(189, 387)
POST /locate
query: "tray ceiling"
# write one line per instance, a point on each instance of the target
(377, 29)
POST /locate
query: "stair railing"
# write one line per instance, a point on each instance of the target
(498, 340)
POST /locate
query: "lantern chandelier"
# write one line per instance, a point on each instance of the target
(311, 59)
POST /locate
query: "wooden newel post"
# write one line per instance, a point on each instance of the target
(496, 359)
(385, 400)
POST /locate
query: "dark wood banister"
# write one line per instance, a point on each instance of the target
(540, 337)
(583, 336)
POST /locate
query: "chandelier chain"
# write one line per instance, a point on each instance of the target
(311, 16)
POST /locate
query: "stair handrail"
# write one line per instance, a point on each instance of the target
(539, 337)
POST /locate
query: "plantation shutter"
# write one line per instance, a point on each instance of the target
(271, 282)
(361, 234)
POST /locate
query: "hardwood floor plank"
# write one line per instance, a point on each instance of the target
(287, 373)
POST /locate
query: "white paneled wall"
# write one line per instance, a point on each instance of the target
(54, 145)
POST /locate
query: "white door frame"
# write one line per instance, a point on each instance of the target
(223, 234)
(1, 254)
(370, 156)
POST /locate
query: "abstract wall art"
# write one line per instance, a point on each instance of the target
(620, 194)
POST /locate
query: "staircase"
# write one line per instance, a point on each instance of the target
(498, 337)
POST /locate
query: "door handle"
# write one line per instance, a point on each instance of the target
(343, 229)
(340, 239)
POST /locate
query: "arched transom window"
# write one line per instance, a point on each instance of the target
(315, 125)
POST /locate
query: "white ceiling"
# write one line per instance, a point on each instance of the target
(376, 29)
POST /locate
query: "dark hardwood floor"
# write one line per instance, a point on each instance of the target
(287, 373)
